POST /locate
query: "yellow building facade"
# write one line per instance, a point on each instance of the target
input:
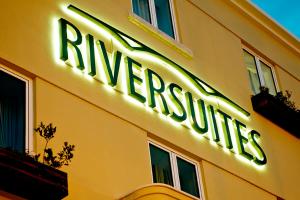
(120, 86)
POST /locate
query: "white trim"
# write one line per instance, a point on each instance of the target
(175, 172)
(152, 13)
(275, 79)
(200, 181)
(28, 107)
(174, 167)
(173, 18)
(259, 71)
(29, 142)
(149, 156)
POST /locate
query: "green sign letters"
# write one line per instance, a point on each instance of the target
(147, 87)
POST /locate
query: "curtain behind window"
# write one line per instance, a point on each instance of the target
(164, 17)
(142, 9)
(161, 166)
(268, 77)
(188, 177)
(252, 72)
(12, 112)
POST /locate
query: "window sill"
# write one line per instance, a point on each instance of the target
(186, 52)
(157, 192)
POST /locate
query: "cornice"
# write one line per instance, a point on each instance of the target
(265, 22)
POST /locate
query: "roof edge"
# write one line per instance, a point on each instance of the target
(267, 23)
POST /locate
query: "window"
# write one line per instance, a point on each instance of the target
(14, 111)
(159, 13)
(260, 74)
(174, 170)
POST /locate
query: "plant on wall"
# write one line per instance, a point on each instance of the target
(49, 158)
(264, 89)
(22, 174)
(286, 99)
(279, 109)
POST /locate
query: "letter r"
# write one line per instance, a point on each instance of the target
(64, 42)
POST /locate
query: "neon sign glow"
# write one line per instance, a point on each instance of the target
(121, 69)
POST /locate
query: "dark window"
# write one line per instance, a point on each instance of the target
(156, 12)
(170, 169)
(12, 112)
(188, 177)
(142, 9)
(161, 166)
(164, 17)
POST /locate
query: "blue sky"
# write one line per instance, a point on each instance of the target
(285, 12)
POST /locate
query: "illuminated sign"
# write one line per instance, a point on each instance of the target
(128, 66)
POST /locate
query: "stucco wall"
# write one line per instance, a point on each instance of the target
(110, 133)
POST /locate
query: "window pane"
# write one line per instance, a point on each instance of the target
(164, 17)
(161, 166)
(12, 112)
(252, 72)
(141, 8)
(188, 177)
(268, 78)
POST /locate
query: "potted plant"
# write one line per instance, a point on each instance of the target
(279, 109)
(23, 175)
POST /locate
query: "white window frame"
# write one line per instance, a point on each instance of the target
(174, 167)
(28, 107)
(153, 18)
(259, 59)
